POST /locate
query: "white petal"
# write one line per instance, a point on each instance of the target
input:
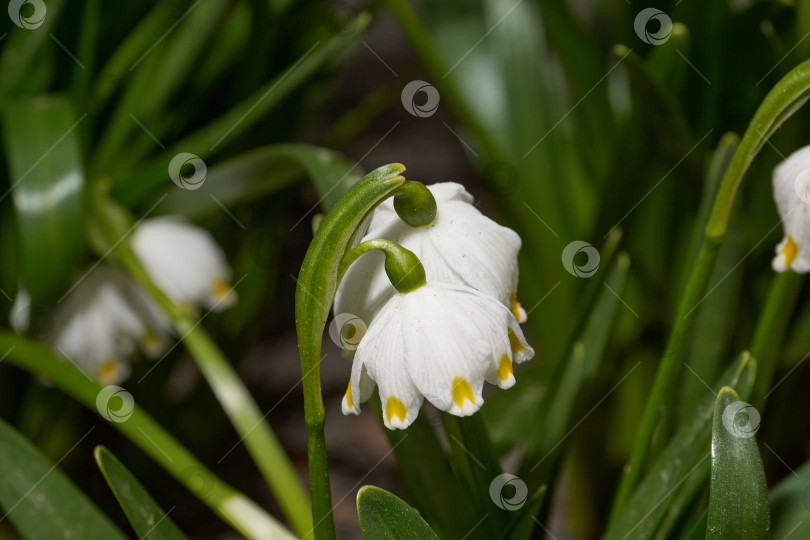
(382, 354)
(460, 246)
(449, 334)
(184, 261)
(364, 289)
(96, 325)
(791, 187)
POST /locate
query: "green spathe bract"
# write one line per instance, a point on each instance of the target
(315, 292)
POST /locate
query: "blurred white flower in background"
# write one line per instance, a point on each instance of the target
(102, 322)
(185, 262)
(107, 316)
(439, 342)
(791, 190)
(461, 246)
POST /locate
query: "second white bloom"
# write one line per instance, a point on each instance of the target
(440, 342)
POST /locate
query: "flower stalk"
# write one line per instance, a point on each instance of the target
(401, 265)
(314, 294)
(245, 416)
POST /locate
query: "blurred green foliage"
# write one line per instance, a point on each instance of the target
(574, 126)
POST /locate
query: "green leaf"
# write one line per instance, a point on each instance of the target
(687, 454)
(47, 181)
(383, 515)
(790, 505)
(143, 513)
(40, 500)
(262, 171)
(738, 498)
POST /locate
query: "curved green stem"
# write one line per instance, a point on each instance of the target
(314, 294)
(232, 506)
(245, 416)
(401, 265)
(780, 103)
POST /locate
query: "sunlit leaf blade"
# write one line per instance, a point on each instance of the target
(790, 505)
(385, 516)
(143, 513)
(40, 500)
(686, 455)
(261, 172)
(47, 181)
(738, 497)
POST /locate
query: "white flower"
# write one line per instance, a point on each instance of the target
(791, 190)
(460, 246)
(103, 321)
(439, 342)
(185, 262)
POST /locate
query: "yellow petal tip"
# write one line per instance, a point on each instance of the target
(790, 250)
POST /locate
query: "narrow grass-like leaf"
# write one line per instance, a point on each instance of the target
(230, 505)
(687, 454)
(261, 172)
(47, 184)
(383, 515)
(40, 500)
(738, 497)
(145, 516)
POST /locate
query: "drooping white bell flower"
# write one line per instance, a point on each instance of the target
(439, 342)
(103, 321)
(185, 262)
(460, 246)
(791, 190)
